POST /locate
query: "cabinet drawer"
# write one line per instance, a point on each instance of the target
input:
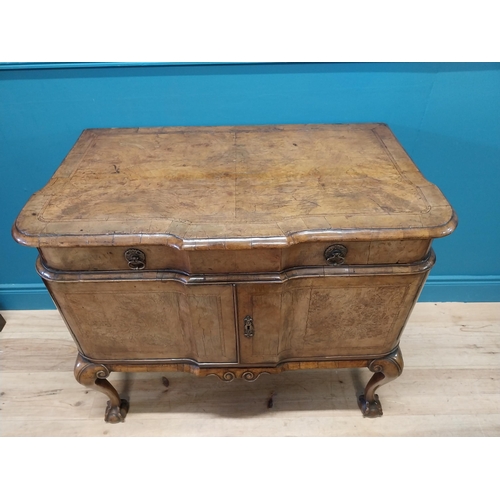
(356, 252)
(112, 258)
(163, 257)
(157, 257)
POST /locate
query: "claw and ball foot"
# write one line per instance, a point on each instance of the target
(94, 376)
(385, 370)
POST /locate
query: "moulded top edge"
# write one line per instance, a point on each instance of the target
(234, 243)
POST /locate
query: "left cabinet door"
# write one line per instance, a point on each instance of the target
(149, 320)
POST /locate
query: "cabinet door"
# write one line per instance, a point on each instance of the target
(136, 320)
(324, 317)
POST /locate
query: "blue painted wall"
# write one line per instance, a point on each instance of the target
(447, 116)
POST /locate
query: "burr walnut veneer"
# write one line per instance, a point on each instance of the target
(235, 251)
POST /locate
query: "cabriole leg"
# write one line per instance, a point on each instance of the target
(94, 376)
(385, 370)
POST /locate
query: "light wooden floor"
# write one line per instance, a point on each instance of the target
(450, 387)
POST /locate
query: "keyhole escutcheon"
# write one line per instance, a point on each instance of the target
(248, 328)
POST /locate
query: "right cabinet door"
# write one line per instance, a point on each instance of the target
(324, 317)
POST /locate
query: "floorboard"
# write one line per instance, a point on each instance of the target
(450, 387)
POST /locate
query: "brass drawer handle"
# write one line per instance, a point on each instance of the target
(335, 255)
(248, 328)
(136, 258)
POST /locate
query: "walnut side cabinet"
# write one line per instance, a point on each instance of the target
(236, 251)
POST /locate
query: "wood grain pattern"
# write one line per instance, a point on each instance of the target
(235, 187)
(149, 320)
(320, 319)
(302, 318)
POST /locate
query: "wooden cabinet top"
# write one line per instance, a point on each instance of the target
(234, 187)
